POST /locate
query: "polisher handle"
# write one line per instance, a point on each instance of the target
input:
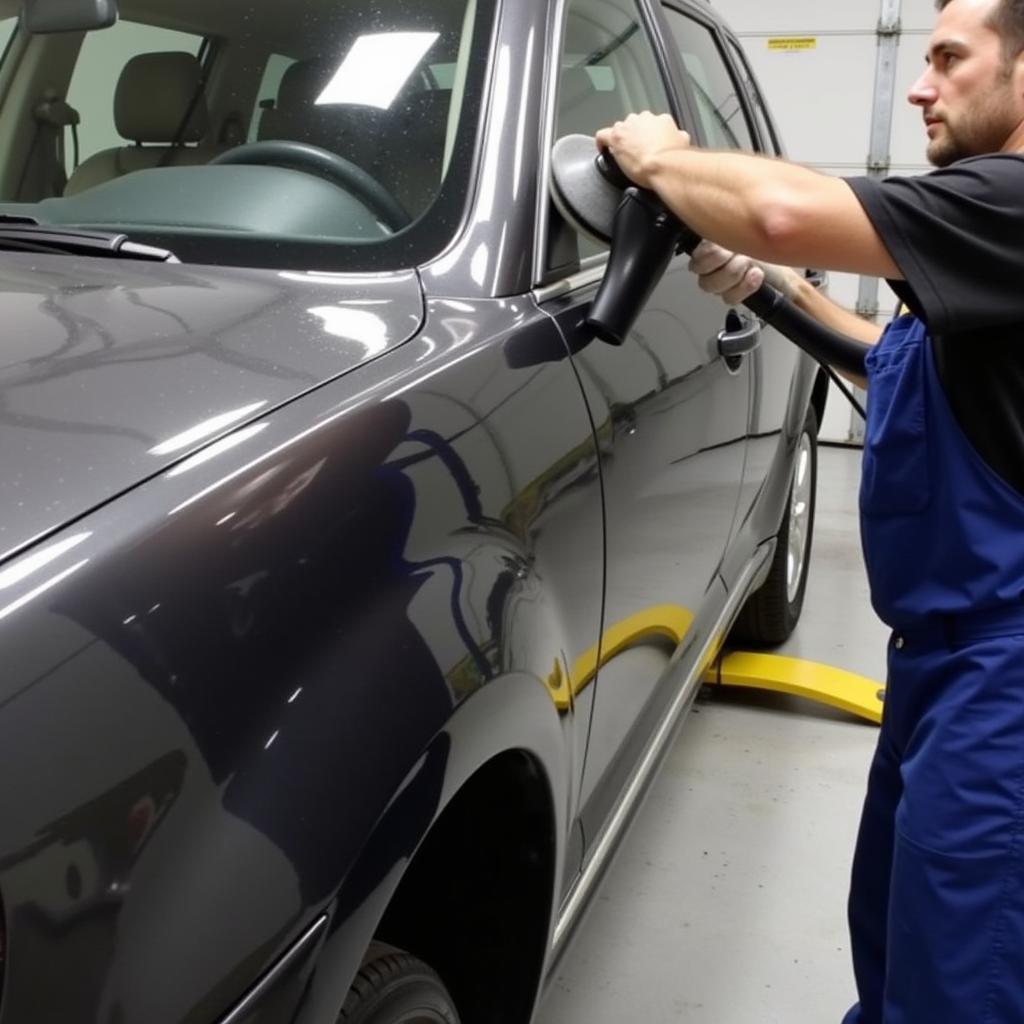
(609, 319)
(609, 169)
(645, 237)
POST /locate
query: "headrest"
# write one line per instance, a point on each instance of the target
(575, 86)
(302, 84)
(153, 95)
(295, 114)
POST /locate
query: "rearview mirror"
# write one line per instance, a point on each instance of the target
(44, 16)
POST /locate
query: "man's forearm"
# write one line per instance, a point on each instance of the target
(812, 301)
(730, 198)
(774, 211)
(769, 209)
(831, 314)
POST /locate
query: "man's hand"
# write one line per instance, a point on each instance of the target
(633, 141)
(735, 277)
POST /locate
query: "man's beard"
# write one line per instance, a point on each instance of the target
(980, 130)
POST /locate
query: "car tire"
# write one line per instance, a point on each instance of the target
(773, 610)
(394, 987)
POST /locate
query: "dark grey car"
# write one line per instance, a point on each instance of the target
(350, 592)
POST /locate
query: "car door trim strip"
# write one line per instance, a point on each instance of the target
(266, 982)
(574, 282)
(547, 140)
(652, 755)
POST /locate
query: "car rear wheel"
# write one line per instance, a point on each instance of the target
(772, 611)
(394, 987)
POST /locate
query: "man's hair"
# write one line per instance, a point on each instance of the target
(1007, 19)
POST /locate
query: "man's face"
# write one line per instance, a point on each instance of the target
(971, 98)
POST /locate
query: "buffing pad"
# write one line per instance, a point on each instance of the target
(582, 195)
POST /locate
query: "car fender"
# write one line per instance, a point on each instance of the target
(514, 712)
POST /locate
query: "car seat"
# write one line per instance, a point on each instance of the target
(402, 147)
(295, 115)
(153, 96)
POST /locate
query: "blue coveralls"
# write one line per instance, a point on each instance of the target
(937, 895)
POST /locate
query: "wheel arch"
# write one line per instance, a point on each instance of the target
(819, 396)
(770, 507)
(488, 863)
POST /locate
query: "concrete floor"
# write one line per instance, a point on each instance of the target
(726, 901)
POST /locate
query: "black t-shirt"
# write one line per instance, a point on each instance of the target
(957, 235)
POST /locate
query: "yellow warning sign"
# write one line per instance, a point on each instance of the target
(794, 43)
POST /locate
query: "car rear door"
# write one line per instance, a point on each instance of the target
(671, 417)
(729, 114)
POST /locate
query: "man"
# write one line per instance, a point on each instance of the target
(937, 896)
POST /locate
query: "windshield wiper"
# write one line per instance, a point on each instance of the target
(24, 234)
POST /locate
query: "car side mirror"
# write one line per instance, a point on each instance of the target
(41, 17)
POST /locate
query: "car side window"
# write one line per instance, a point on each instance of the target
(7, 27)
(769, 141)
(99, 66)
(608, 69)
(719, 105)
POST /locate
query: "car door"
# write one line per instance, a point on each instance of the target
(670, 414)
(729, 115)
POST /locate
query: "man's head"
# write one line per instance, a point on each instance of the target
(972, 92)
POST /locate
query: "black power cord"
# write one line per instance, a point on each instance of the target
(847, 393)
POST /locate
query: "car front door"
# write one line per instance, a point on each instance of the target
(671, 418)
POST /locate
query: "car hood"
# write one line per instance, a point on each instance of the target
(111, 371)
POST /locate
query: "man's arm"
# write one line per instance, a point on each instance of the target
(734, 277)
(831, 314)
(840, 319)
(769, 208)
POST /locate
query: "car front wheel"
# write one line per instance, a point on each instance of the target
(394, 987)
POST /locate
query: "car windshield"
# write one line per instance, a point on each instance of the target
(321, 134)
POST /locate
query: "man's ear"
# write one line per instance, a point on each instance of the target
(1017, 74)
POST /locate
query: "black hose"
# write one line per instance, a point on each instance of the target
(845, 391)
(830, 347)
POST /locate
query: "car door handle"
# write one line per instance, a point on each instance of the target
(741, 341)
(815, 277)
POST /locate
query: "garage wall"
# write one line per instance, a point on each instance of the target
(816, 63)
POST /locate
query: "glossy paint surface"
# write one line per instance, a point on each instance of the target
(218, 656)
(671, 417)
(314, 550)
(111, 372)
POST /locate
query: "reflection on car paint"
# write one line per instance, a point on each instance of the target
(103, 338)
(206, 429)
(253, 588)
(337, 545)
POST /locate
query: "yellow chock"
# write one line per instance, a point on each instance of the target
(835, 687)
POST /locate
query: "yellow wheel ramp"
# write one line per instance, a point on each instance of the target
(668, 623)
(835, 687)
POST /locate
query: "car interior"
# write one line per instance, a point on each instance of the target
(194, 116)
